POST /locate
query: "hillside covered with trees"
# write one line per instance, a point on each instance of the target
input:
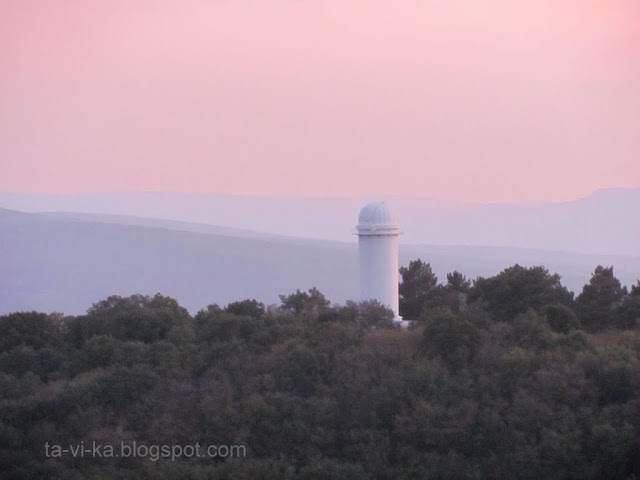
(509, 376)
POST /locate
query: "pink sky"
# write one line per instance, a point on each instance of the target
(468, 100)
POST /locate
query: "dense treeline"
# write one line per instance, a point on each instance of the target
(502, 377)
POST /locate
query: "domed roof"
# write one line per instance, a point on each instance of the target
(376, 218)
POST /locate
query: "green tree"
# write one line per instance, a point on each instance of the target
(600, 299)
(530, 330)
(372, 313)
(247, 308)
(309, 305)
(418, 289)
(628, 314)
(517, 289)
(456, 396)
(136, 318)
(217, 325)
(561, 318)
(457, 282)
(369, 313)
(34, 329)
(453, 337)
(456, 291)
(98, 351)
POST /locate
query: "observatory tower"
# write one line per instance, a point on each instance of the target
(378, 232)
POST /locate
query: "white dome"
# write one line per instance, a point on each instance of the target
(377, 219)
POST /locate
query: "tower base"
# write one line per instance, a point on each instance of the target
(400, 321)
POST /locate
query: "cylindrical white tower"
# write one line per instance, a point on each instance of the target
(378, 232)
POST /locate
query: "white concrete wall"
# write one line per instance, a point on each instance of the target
(379, 269)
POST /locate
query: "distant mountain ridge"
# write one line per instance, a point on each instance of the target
(65, 262)
(155, 223)
(605, 222)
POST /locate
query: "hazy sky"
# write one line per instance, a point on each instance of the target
(472, 100)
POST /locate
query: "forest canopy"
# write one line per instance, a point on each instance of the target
(511, 376)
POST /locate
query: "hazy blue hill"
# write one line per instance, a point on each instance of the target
(51, 264)
(605, 222)
(157, 223)
(66, 262)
